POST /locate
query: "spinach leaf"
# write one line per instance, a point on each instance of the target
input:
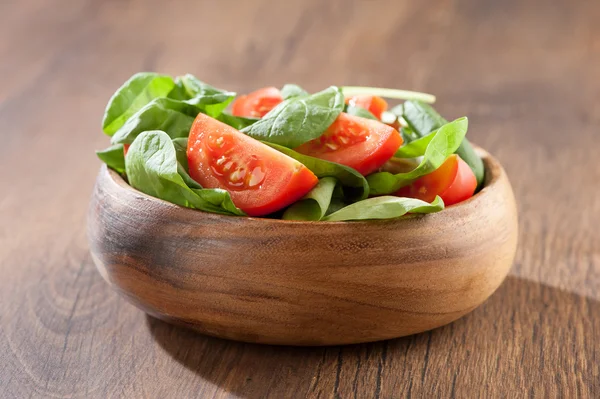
(152, 168)
(415, 148)
(443, 144)
(385, 207)
(423, 119)
(208, 99)
(299, 119)
(178, 92)
(138, 91)
(358, 111)
(237, 122)
(314, 205)
(336, 204)
(354, 184)
(113, 157)
(292, 90)
(170, 116)
(408, 135)
(180, 145)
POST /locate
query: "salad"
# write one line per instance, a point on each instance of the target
(338, 154)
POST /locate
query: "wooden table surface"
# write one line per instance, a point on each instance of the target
(527, 73)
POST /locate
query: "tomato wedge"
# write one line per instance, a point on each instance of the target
(360, 143)
(259, 179)
(454, 181)
(258, 103)
(374, 104)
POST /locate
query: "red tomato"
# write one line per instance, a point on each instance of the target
(374, 104)
(454, 181)
(125, 149)
(362, 144)
(257, 103)
(259, 179)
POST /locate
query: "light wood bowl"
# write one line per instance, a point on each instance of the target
(303, 283)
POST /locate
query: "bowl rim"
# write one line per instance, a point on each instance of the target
(493, 174)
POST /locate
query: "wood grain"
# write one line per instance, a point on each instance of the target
(526, 74)
(303, 283)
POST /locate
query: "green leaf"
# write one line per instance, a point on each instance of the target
(180, 145)
(208, 99)
(299, 119)
(237, 122)
(170, 116)
(138, 91)
(292, 90)
(385, 207)
(354, 184)
(358, 111)
(151, 165)
(423, 119)
(415, 148)
(408, 135)
(335, 205)
(443, 144)
(113, 157)
(178, 92)
(216, 200)
(152, 168)
(314, 205)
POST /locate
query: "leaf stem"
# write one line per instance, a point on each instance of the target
(389, 93)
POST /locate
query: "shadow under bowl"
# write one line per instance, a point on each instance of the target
(303, 283)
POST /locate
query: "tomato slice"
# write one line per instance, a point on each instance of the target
(258, 103)
(363, 144)
(454, 181)
(374, 104)
(259, 179)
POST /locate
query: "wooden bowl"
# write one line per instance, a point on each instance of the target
(303, 283)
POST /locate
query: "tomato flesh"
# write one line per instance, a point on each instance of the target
(374, 104)
(454, 181)
(259, 179)
(360, 143)
(258, 103)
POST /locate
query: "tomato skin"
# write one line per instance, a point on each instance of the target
(360, 143)
(374, 104)
(454, 181)
(258, 103)
(260, 179)
(464, 185)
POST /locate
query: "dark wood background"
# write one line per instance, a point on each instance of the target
(527, 73)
